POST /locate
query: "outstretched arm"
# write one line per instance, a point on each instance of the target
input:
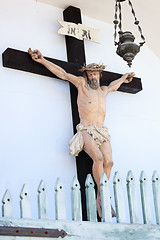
(55, 69)
(126, 78)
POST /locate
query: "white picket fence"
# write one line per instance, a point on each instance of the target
(60, 206)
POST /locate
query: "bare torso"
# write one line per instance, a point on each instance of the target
(91, 105)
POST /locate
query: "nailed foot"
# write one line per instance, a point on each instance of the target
(99, 208)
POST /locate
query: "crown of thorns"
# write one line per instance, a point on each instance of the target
(93, 67)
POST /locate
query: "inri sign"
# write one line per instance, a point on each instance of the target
(78, 31)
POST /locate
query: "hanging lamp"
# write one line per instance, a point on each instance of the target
(126, 47)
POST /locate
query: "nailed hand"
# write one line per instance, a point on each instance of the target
(36, 55)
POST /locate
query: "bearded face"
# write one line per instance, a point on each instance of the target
(93, 83)
(93, 79)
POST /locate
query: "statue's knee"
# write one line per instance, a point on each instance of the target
(109, 164)
(99, 158)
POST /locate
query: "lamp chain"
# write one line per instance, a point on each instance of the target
(137, 23)
(119, 23)
(116, 20)
(120, 17)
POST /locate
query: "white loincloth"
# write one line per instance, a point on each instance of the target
(99, 134)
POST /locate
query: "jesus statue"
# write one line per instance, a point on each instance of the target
(92, 136)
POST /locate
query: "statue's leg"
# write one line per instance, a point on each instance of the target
(91, 148)
(106, 151)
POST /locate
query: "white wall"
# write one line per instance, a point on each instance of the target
(35, 111)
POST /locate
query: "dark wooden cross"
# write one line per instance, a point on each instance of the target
(20, 60)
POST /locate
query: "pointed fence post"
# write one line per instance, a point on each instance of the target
(42, 201)
(146, 206)
(105, 199)
(156, 195)
(60, 200)
(25, 207)
(76, 200)
(132, 200)
(90, 199)
(119, 199)
(7, 205)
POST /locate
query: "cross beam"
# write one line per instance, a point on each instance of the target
(20, 60)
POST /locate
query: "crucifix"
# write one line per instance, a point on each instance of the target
(19, 60)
